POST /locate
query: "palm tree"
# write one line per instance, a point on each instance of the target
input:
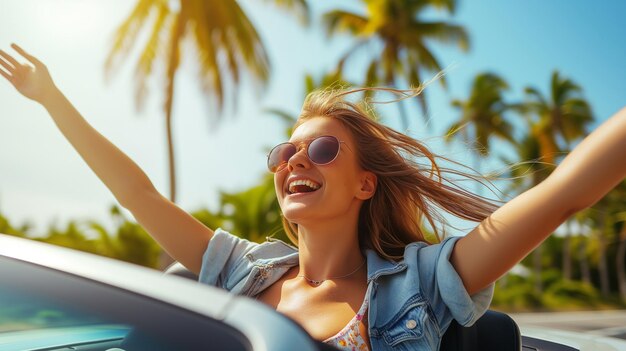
(482, 115)
(560, 119)
(220, 35)
(403, 36)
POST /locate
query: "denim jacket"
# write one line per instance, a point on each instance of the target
(412, 302)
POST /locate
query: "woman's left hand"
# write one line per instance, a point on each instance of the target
(31, 80)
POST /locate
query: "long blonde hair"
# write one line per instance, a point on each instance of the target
(407, 192)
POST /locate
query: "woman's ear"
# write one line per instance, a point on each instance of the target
(368, 186)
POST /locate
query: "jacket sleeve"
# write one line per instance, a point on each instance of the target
(444, 288)
(224, 263)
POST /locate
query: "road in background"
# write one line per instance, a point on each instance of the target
(604, 323)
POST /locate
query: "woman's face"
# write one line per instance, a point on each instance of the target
(310, 192)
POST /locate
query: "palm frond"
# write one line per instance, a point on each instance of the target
(149, 54)
(202, 28)
(534, 94)
(126, 34)
(339, 21)
(448, 5)
(427, 60)
(300, 8)
(175, 34)
(247, 40)
(442, 32)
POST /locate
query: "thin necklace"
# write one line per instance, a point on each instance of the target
(319, 282)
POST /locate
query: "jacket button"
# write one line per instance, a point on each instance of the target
(411, 324)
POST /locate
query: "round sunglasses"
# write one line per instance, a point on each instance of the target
(321, 151)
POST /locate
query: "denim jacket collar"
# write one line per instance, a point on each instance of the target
(377, 266)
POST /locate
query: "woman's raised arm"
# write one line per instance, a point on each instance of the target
(503, 239)
(181, 235)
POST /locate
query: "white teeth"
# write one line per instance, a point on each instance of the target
(306, 182)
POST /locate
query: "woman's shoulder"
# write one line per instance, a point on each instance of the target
(270, 249)
(425, 250)
(418, 255)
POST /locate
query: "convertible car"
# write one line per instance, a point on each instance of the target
(57, 299)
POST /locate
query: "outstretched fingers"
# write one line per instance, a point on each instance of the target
(8, 69)
(6, 75)
(28, 56)
(9, 58)
(8, 62)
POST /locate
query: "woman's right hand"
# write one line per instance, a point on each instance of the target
(31, 80)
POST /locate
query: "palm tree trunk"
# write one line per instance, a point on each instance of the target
(585, 271)
(567, 252)
(620, 262)
(170, 154)
(603, 267)
(602, 264)
(173, 62)
(538, 286)
(164, 259)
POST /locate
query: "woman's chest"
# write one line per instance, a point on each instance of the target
(322, 311)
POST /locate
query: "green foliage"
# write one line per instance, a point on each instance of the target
(127, 242)
(253, 213)
(72, 236)
(208, 218)
(518, 295)
(568, 294)
(7, 228)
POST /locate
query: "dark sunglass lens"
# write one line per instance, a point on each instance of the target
(323, 150)
(279, 156)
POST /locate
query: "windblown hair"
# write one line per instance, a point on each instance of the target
(407, 192)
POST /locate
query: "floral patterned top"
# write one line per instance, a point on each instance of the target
(350, 338)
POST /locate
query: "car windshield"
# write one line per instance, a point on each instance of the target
(47, 309)
(22, 310)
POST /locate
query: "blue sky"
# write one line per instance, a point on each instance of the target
(43, 181)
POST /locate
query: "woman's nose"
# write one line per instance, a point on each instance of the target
(299, 160)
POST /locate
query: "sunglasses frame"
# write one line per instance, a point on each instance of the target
(306, 144)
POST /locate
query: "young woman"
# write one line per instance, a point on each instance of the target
(354, 200)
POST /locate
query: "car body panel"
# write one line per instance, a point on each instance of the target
(262, 326)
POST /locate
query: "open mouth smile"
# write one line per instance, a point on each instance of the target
(300, 186)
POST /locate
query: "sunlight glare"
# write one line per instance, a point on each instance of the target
(69, 19)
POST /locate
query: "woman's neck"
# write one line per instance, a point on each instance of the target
(328, 251)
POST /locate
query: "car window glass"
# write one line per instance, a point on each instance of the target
(21, 310)
(44, 309)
